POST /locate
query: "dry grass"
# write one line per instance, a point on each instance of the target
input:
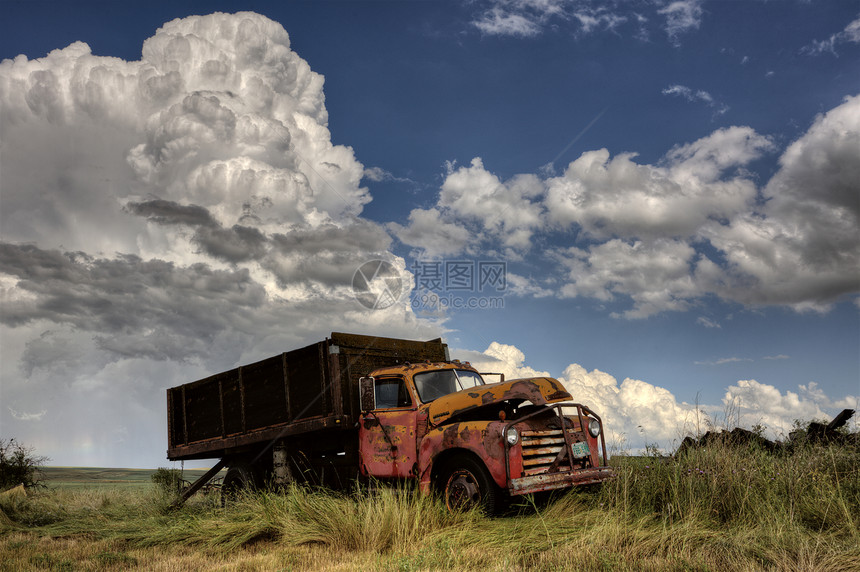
(715, 509)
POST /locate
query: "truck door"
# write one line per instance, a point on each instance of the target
(387, 434)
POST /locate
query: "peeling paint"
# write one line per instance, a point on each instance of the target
(538, 390)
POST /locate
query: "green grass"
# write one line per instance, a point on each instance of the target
(719, 508)
(89, 477)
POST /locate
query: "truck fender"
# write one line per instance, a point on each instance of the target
(477, 438)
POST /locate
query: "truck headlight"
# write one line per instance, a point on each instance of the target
(594, 427)
(512, 435)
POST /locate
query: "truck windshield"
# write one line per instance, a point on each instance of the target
(434, 384)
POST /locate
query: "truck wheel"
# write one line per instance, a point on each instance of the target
(240, 476)
(466, 484)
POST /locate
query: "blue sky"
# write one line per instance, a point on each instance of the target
(671, 187)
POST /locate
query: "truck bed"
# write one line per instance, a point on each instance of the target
(300, 391)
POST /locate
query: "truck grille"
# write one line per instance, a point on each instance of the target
(540, 449)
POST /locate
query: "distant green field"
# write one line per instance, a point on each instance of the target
(78, 477)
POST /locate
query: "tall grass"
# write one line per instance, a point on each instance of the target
(718, 508)
(813, 487)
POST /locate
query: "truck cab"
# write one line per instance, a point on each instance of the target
(476, 443)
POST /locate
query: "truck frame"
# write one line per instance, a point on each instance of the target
(354, 406)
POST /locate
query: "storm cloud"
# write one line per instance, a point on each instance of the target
(166, 217)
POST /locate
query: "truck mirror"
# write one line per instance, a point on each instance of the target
(367, 394)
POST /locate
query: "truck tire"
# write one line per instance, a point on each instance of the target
(466, 483)
(240, 476)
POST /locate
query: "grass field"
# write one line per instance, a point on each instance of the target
(720, 508)
(94, 477)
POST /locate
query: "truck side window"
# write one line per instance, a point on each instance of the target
(391, 393)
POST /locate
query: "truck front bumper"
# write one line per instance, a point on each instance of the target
(559, 480)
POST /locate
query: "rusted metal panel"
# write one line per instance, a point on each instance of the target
(483, 438)
(549, 481)
(537, 455)
(388, 445)
(538, 390)
(545, 440)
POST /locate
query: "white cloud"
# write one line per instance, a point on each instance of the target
(618, 197)
(379, 175)
(185, 209)
(505, 211)
(497, 22)
(750, 402)
(707, 322)
(666, 235)
(530, 18)
(431, 235)
(518, 18)
(500, 358)
(656, 276)
(851, 34)
(722, 361)
(802, 248)
(637, 413)
(682, 16)
(25, 416)
(525, 286)
(696, 96)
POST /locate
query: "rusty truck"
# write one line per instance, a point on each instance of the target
(366, 407)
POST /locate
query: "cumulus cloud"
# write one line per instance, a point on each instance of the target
(500, 358)
(656, 276)
(637, 413)
(665, 235)
(431, 235)
(188, 208)
(505, 211)
(802, 248)
(618, 197)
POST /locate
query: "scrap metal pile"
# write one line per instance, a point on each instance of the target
(815, 433)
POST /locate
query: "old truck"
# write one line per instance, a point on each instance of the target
(354, 406)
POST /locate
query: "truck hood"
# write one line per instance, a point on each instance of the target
(538, 390)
